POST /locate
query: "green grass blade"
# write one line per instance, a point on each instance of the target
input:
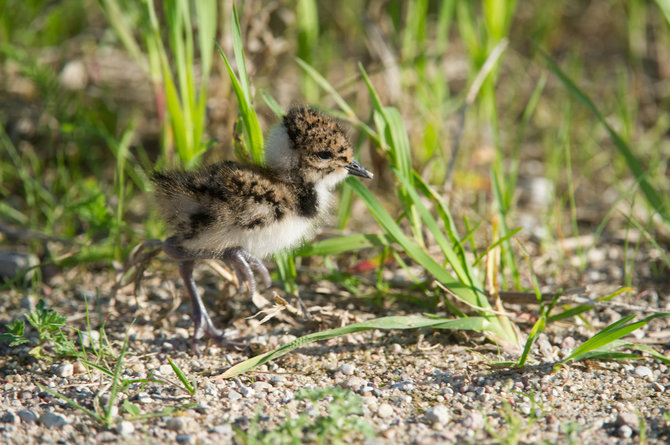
(272, 104)
(473, 296)
(538, 327)
(341, 244)
(190, 388)
(440, 238)
(664, 6)
(238, 49)
(71, 402)
(324, 84)
(613, 332)
(251, 125)
(116, 379)
(651, 195)
(286, 271)
(386, 323)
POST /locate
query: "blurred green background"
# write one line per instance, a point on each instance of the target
(94, 95)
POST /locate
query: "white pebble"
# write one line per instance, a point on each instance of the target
(385, 410)
(439, 414)
(644, 371)
(64, 370)
(125, 428)
(347, 369)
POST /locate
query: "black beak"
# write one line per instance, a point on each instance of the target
(357, 169)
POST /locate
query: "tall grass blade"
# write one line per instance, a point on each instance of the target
(651, 195)
(386, 323)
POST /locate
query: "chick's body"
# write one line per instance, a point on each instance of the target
(227, 204)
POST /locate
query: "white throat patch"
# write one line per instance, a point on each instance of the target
(278, 151)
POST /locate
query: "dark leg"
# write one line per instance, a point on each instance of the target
(241, 261)
(202, 324)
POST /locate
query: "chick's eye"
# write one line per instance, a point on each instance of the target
(324, 155)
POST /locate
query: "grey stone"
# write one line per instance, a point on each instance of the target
(15, 264)
(183, 438)
(175, 424)
(403, 386)
(438, 414)
(234, 395)
(27, 416)
(106, 436)
(627, 419)
(262, 387)
(354, 383)
(9, 417)
(474, 420)
(64, 370)
(52, 420)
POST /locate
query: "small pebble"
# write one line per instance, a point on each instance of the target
(644, 371)
(18, 265)
(275, 379)
(78, 367)
(403, 386)
(262, 387)
(52, 420)
(234, 395)
(9, 417)
(627, 418)
(143, 398)
(27, 416)
(64, 370)
(385, 410)
(354, 383)
(625, 432)
(125, 428)
(438, 414)
(246, 391)
(106, 436)
(175, 424)
(474, 420)
(183, 438)
(396, 348)
(224, 429)
(347, 369)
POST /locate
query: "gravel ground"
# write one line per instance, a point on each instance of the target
(414, 386)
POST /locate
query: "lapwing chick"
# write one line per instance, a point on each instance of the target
(240, 214)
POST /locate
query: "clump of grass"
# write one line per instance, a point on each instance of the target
(181, 98)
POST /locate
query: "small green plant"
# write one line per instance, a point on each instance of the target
(605, 344)
(516, 426)
(49, 325)
(107, 414)
(341, 423)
